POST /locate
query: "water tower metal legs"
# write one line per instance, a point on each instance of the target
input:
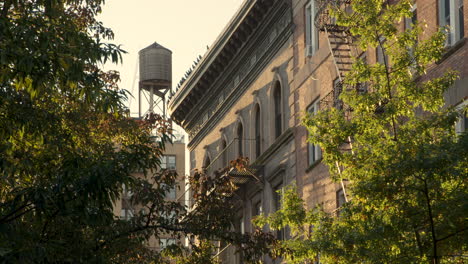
(151, 100)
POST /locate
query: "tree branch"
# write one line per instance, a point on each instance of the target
(431, 221)
(389, 87)
(453, 234)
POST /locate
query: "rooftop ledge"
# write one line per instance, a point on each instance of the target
(217, 57)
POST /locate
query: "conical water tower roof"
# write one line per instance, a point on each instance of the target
(156, 45)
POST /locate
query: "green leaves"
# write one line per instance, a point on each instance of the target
(66, 142)
(407, 174)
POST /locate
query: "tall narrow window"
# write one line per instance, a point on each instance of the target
(257, 208)
(451, 15)
(461, 126)
(409, 25)
(314, 151)
(207, 162)
(381, 53)
(461, 20)
(278, 111)
(223, 153)
(311, 32)
(240, 139)
(410, 21)
(258, 137)
(278, 192)
(340, 200)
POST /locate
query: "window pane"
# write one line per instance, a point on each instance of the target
(171, 241)
(171, 163)
(340, 198)
(163, 243)
(172, 193)
(224, 154)
(278, 112)
(257, 132)
(461, 20)
(313, 150)
(240, 139)
(308, 19)
(242, 225)
(258, 209)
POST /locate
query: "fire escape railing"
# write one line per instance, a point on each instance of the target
(341, 46)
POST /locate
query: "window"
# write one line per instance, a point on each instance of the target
(224, 153)
(451, 15)
(242, 225)
(410, 21)
(240, 139)
(278, 109)
(258, 137)
(126, 192)
(207, 162)
(170, 193)
(311, 32)
(462, 124)
(126, 214)
(277, 200)
(340, 200)
(314, 151)
(165, 242)
(168, 216)
(257, 209)
(409, 24)
(168, 162)
(380, 56)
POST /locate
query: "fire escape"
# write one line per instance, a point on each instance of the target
(341, 45)
(343, 50)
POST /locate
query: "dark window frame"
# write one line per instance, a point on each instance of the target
(258, 132)
(278, 111)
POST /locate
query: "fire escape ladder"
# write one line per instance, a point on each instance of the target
(340, 44)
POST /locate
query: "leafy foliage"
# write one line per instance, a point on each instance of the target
(406, 167)
(68, 145)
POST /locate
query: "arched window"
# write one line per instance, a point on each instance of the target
(278, 109)
(240, 139)
(258, 135)
(223, 153)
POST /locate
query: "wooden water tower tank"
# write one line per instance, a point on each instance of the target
(155, 75)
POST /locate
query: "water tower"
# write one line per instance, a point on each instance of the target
(155, 78)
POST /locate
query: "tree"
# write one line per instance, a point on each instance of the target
(397, 148)
(68, 145)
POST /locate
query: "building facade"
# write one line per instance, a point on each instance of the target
(173, 158)
(271, 64)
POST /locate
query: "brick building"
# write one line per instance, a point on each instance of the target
(268, 67)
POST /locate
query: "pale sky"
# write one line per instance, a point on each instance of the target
(184, 26)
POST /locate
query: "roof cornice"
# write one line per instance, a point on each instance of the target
(206, 70)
